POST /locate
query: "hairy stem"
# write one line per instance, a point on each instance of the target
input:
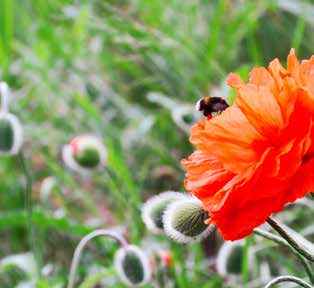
(245, 262)
(80, 247)
(286, 235)
(33, 241)
(278, 240)
(281, 279)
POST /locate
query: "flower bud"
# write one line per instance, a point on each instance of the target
(24, 262)
(229, 258)
(132, 266)
(84, 153)
(153, 209)
(184, 220)
(11, 134)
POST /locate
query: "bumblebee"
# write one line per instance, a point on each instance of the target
(211, 106)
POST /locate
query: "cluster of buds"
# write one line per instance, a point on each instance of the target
(182, 218)
(84, 153)
(179, 216)
(11, 133)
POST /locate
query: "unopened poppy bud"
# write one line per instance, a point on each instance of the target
(11, 137)
(84, 153)
(153, 209)
(184, 220)
(132, 266)
(230, 257)
(23, 263)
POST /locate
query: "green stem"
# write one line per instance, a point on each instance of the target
(80, 247)
(278, 240)
(161, 277)
(288, 279)
(245, 262)
(88, 201)
(285, 234)
(33, 241)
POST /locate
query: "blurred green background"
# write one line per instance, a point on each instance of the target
(129, 71)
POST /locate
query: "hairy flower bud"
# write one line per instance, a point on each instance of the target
(229, 258)
(153, 209)
(132, 266)
(184, 220)
(84, 153)
(11, 134)
(24, 262)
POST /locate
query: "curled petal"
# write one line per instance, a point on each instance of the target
(234, 81)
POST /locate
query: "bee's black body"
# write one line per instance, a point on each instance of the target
(211, 105)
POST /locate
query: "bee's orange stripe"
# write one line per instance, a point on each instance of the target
(207, 100)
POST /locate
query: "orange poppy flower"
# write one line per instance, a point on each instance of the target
(257, 155)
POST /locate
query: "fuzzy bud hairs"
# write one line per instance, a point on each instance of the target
(132, 266)
(153, 209)
(230, 257)
(11, 132)
(184, 220)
